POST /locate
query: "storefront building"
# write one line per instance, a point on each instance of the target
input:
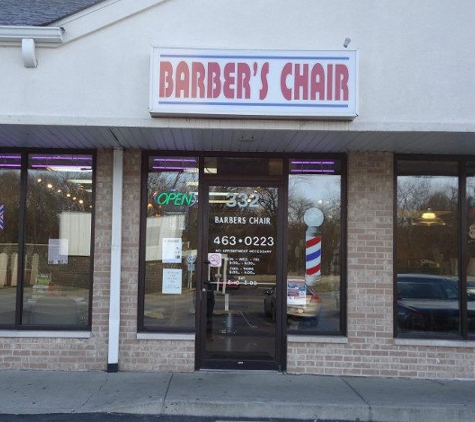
(256, 186)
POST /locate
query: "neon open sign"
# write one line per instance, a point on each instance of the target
(178, 199)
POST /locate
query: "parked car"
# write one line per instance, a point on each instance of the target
(471, 289)
(308, 312)
(430, 303)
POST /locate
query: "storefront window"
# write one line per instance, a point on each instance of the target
(46, 247)
(428, 285)
(241, 227)
(314, 276)
(10, 168)
(470, 237)
(171, 244)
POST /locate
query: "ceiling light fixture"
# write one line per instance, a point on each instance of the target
(428, 215)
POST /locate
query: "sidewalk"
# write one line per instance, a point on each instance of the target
(236, 394)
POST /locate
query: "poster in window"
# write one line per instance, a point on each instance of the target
(58, 251)
(172, 281)
(172, 250)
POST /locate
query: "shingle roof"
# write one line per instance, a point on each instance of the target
(39, 12)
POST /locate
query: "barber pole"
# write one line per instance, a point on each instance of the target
(313, 257)
(313, 218)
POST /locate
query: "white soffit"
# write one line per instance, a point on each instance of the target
(238, 140)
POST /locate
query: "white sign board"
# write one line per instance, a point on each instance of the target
(171, 250)
(172, 281)
(254, 83)
(57, 251)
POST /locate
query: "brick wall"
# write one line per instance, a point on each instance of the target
(91, 354)
(371, 349)
(141, 355)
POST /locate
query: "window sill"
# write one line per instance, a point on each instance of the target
(44, 334)
(166, 336)
(316, 339)
(434, 343)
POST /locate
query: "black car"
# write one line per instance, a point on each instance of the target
(429, 303)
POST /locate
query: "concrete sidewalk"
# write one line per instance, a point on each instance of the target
(236, 394)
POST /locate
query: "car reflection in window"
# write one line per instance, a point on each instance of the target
(305, 315)
(430, 303)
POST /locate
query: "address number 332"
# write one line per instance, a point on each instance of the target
(242, 200)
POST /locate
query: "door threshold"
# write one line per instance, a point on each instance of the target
(241, 371)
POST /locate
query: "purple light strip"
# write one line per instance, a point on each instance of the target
(60, 166)
(313, 162)
(10, 157)
(172, 168)
(176, 160)
(311, 171)
(10, 165)
(48, 157)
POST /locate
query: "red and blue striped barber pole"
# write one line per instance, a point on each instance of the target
(313, 258)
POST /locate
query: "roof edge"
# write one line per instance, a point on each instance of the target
(41, 34)
(102, 15)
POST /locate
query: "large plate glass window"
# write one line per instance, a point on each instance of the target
(45, 231)
(469, 212)
(428, 287)
(10, 171)
(171, 230)
(314, 273)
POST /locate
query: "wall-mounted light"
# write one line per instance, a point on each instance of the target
(346, 43)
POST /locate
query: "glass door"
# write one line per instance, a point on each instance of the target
(240, 282)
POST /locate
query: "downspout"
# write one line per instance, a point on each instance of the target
(115, 269)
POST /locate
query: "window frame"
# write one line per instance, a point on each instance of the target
(146, 154)
(343, 298)
(21, 282)
(462, 257)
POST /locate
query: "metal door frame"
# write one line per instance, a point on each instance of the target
(281, 259)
